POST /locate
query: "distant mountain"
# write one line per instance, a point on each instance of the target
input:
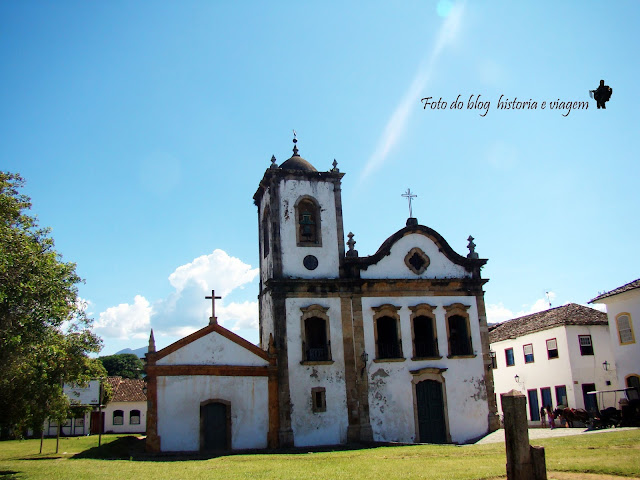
(140, 352)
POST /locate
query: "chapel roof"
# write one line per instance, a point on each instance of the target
(570, 314)
(127, 389)
(624, 288)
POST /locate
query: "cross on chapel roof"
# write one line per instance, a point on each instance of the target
(213, 319)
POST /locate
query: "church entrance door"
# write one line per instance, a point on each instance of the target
(215, 431)
(431, 421)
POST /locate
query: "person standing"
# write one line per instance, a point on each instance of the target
(543, 417)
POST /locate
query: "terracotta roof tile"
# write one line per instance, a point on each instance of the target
(127, 389)
(624, 288)
(571, 314)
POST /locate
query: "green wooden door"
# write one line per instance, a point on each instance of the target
(214, 426)
(431, 422)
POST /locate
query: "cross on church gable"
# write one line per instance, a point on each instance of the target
(409, 196)
(213, 299)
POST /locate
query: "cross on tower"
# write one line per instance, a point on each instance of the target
(409, 196)
(213, 299)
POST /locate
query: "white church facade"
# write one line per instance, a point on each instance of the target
(392, 347)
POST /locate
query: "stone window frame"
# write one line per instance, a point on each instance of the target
(525, 354)
(118, 414)
(317, 214)
(430, 373)
(318, 393)
(391, 311)
(315, 310)
(633, 336)
(227, 404)
(266, 235)
(549, 350)
(132, 416)
(460, 310)
(424, 310)
(425, 258)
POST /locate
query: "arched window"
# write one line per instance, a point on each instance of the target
(316, 334)
(458, 330)
(134, 417)
(423, 326)
(308, 222)
(625, 329)
(633, 381)
(316, 346)
(386, 331)
(118, 417)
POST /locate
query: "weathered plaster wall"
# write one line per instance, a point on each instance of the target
(570, 369)
(627, 357)
(316, 428)
(391, 406)
(212, 349)
(327, 254)
(179, 399)
(266, 319)
(126, 426)
(266, 263)
(393, 266)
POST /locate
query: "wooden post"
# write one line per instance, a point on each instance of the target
(523, 461)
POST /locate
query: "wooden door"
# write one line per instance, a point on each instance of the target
(430, 403)
(214, 426)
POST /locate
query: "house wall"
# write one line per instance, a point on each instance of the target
(316, 428)
(72, 427)
(627, 357)
(327, 254)
(127, 426)
(391, 398)
(180, 397)
(570, 369)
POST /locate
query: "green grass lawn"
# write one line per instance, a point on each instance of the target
(121, 457)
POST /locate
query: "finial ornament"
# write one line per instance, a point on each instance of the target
(351, 243)
(295, 147)
(152, 343)
(335, 166)
(273, 162)
(472, 248)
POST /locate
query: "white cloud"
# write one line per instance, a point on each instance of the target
(397, 122)
(185, 310)
(126, 320)
(497, 312)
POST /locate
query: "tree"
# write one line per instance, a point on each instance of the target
(45, 335)
(125, 365)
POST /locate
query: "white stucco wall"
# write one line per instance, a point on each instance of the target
(213, 349)
(627, 357)
(179, 400)
(316, 428)
(393, 266)
(126, 426)
(266, 320)
(570, 369)
(391, 406)
(292, 255)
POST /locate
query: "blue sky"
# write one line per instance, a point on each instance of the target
(143, 129)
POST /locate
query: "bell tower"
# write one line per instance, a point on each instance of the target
(301, 240)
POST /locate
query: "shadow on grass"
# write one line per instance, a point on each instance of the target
(8, 474)
(133, 448)
(126, 448)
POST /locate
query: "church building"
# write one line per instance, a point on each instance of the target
(391, 347)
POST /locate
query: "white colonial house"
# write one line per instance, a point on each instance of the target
(126, 412)
(555, 357)
(392, 347)
(623, 312)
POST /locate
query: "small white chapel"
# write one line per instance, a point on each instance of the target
(390, 347)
